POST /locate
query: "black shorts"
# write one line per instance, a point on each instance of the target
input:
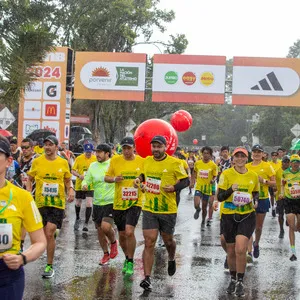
(163, 222)
(280, 207)
(235, 224)
(271, 191)
(221, 227)
(83, 194)
(52, 215)
(291, 206)
(129, 216)
(101, 212)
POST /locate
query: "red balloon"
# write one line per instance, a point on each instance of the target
(150, 128)
(181, 120)
(195, 141)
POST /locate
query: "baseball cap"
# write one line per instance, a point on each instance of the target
(104, 147)
(5, 147)
(240, 149)
(295, 157)
(14, 140)
(257, 147)
(40, 141)
(52, 139)
(286, 158)
(88, 147)
(127, 141)
(159, 139)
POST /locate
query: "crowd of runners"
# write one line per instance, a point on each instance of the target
(116, 186)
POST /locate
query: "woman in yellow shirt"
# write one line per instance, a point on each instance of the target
(17, 210)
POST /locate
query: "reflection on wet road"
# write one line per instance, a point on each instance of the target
(200, 272)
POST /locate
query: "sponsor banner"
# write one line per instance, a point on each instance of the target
(33, 91)
(188, 78)
(30, 126)
(80, 119)
(266, 81)
(52, 126)
(110, 76)
(52, 91)
(32, 109)
(51, 110)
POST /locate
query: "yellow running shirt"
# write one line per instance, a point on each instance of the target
(278, 177)
(157, 175)
(49, 176)
(126, 195)
(266, 171)
(205, 172)
(81, 166)
(38, 150)
(276, 166)
(20, 211)
(292, 184)
(247, 183)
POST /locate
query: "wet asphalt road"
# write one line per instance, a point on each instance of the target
(200, 272)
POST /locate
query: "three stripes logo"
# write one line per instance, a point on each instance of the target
(269, 83)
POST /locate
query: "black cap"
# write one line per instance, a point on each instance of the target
(285, 158)
(104, 147)
(159, 139)
(127, 141)
(14, 140)
(257, 147)
(5, 147)
(52, 139)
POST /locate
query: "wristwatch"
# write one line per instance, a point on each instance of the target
(24, 258)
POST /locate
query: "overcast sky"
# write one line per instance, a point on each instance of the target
(263, 28)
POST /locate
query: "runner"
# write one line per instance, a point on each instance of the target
(205, 174)
(276, 164)
(69, 154)
(102, 202)
(291, 193)
(191, 163)
(280, 202)
(239, 188)
(266, 176)
(53, 181)
(164, 175)
(17, 209)
(79, 169)
(15, 151)
(39, 148)
(123, 169)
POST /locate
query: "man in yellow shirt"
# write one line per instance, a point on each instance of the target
(163, 175)
(53, 181)
(79, 169)
(205, 173)
(276, 164)
(39, 148)
(128, 199)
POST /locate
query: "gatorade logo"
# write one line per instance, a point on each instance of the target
(189, 78)
(51, 91)
(207, 79)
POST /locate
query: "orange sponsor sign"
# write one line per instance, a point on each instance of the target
(110, 76)
(266, 81)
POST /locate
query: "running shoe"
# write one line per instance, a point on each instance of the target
(85, 227)
(114, 250)
(226, 264)
(146, 284)
(76, 225)
(208, 223)
(197, 213)
(281, 234)
(171, 267)
(105, 259)
(231, 288)
(249, 258)
(293, 257)
(255, 250)
(48, 272)
(273, 213)
(130, 269)
(125, 266)
(239, 289)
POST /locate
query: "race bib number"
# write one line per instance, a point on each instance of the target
(295, 191)
(241, 199)
(6, 237)
(129, 193)
(153, 185)
(203, 174)
(50, 189)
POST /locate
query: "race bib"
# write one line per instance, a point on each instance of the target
(203, 174)
(129, 193)
(295, 191)
(241, 198)
(6, 237)
(50, 189)
(153, 185)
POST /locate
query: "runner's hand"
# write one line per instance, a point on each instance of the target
(13, 261)
(84, 187)
(215, 205)
(81, 177)
(234, 187)
(169, 188)
(119, 178)
(256, 205)
(136, 183)
(71, 196)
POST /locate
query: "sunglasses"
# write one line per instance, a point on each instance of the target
(25, 147)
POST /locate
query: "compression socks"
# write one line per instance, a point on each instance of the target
(240, 276)
(233, 275)
(77, 210)
(88, 212)
(293, 249)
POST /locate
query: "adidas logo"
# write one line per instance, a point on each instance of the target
(165, 170)
(270, 83)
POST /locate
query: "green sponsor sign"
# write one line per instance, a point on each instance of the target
(127, 76)
(171, 77)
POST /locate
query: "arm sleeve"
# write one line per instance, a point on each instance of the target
(183, 183)
(224, 194)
